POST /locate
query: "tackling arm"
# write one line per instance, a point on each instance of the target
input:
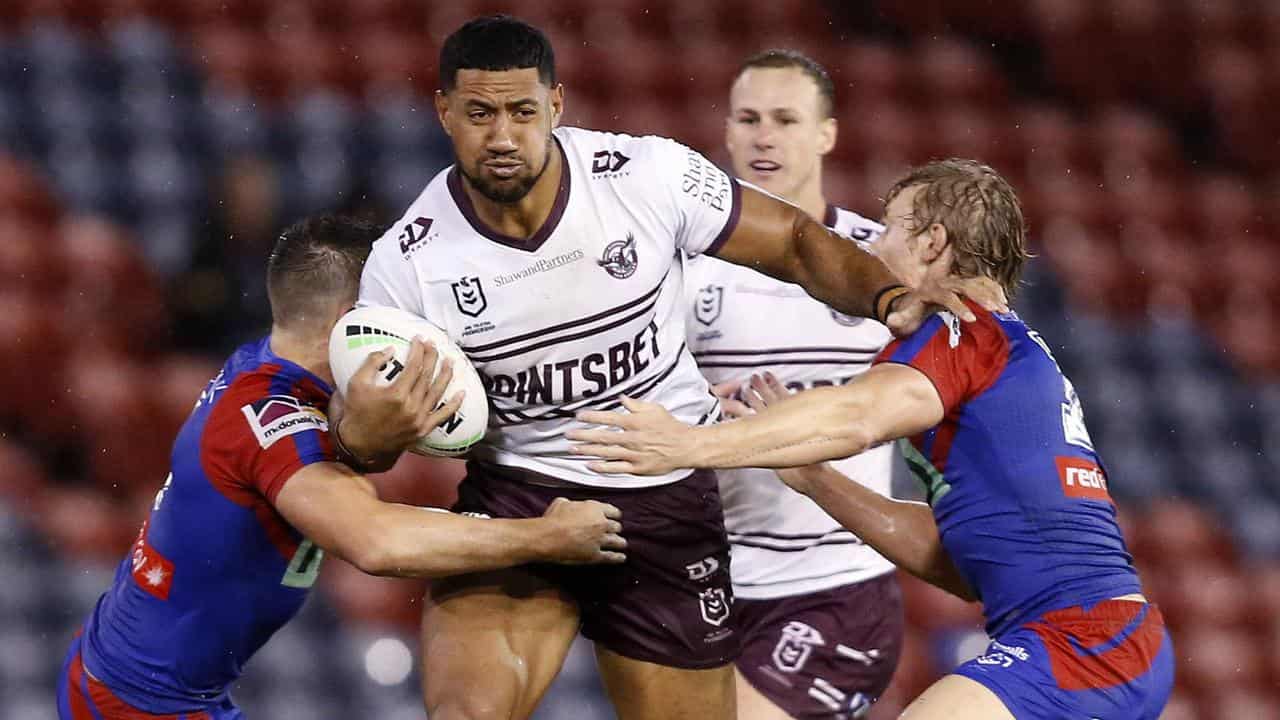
(902, 531)
(339, 511)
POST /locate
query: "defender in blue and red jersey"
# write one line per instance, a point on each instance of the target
(255, 497)
(1019, 514)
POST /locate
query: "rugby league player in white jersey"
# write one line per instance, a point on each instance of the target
(819, 613)
(554, 257)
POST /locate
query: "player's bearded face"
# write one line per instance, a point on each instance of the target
(500, 123)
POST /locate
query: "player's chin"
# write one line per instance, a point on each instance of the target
(504, 190)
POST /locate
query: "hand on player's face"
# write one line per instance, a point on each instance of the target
(381, 419)
(586, 532)
(647, 440)
(923, 260)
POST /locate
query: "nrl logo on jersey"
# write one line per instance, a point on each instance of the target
(714, 606)
(278, 416)
(469, 295)
(709, 304)
(795, 646)
(620, 258)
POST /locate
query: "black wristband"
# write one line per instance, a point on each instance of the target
(898, 291)
(343, 450)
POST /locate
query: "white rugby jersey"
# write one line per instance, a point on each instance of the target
(586, 310)
(742, 322)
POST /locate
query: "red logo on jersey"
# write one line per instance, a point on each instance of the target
(1082, 479)
(151, 570)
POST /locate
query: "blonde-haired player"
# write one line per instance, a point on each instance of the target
(819, 612)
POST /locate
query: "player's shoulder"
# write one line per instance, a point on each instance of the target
(263, 399)
(618, 156)
(851, 224)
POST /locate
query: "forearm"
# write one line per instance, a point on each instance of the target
(836, 271)
(806, 428)
(904, 532)
(408, 541)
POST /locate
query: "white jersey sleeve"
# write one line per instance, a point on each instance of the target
(699, 202)
(390, 278)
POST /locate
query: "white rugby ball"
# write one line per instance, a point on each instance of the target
(367, 330)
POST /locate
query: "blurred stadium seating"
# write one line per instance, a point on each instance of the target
(150, 150)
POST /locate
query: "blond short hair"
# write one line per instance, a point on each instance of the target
(980, 212)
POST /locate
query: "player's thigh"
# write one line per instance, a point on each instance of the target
(492, 643)
(647, 691)
(752, 705)
(955, 697)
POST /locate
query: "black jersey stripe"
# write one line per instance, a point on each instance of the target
(541, 332)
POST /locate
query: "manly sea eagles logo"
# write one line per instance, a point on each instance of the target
(715, 606)
(620, 258)
(469, 296)
(795, 646)
(708, 304)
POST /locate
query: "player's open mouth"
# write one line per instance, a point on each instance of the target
(765, 166)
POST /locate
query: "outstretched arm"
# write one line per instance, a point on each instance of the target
(339, 511)
(887, 402)
(902, 531)
(779, 239)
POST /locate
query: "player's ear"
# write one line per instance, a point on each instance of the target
(934, 242)
(442, 111)
(827, 131)
(556, 99)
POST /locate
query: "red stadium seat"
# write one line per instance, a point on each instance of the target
(177, 383)
(22, 192)
(967, 131)
(1232, 703)
(32, 337)
(110, 401)
(948, 70)
(112, 296)
(888, 128)
(868, 71)
(1052, 141)
(1246, 325)
(398, 16)
(1205, 592)
(391, 61)
(1217, 660)
(30, 257)
(1227, 205)
(1173, 531)
(84, 524)
(234, 60)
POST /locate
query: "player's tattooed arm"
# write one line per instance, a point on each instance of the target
(778, 239)
(887, 402)
(375, 422)
(902, 531)
(338, 510)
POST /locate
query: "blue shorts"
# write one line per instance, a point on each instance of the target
(1111, 661)
(83, 697)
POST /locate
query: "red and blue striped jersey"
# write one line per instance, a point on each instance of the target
(215, 570)
(1018, 491)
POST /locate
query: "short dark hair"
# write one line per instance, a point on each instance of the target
(313, 261)
(981, 213)
(496, 42)
(783, 58)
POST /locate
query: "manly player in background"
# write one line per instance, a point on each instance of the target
(1019, 513)
(255, 497)
(819, 611)
(554, 260)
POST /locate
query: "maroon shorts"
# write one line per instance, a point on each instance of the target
(669, 602)
(827, 654)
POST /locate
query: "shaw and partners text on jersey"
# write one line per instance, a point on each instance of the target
(540, 266)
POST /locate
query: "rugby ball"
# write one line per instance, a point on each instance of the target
(366, 330)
